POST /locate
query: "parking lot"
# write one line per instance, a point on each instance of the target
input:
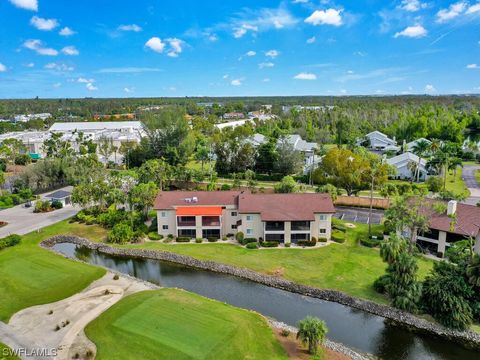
(360, 215)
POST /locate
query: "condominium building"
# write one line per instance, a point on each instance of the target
(285, 218)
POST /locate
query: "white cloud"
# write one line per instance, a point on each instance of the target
(261, 20)
(430, 89)
(26, 4)
(251, 53)
(473, 9)
(226, 76)
(325, 17)
(29, 65)
(311, 40)
(58, 67)
(300, 1)
(175, 47)
(37, 46)
(305, 76)
(272, 53)
(266, 80)
(70, 50)
(472, 66)
(452, 12)
(66, 31)
(3, 68)
(266, 65)
(212, 37)
(57, 85)
(416, 31)
(43, 24)
(82, 80)
(412, 5)
(236, 82)
(91, 87)
(130, 27)
(155, 44)
(128, 90)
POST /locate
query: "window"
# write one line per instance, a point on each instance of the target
(234, 226)
(234, 213)
(274, 226)
(211, 233)
(299, 237)
(300, 225)
(323, 231)
(323, 217)
(249, 217)
(275, 237)
(187, 233)
(165, 227)
(164, 214)
(249, 231)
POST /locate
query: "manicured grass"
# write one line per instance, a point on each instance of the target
(456, 184)
(4, 349)
(175, 324)
(32, 276)
(477, 176)
(347, 267)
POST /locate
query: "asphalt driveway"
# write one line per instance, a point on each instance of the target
(468, 175)
(360, 215)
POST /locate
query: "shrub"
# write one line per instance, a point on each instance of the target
(269, 244)
(322, 239)
(309, 243)
(225, 187)
(285, 332)
(154, 225)
(339, 227)
(246, 241)
(183, 239)
(120, 234)
(170, 236)
(42, 206)
(239, 237)
(338, 236)
(224, 238)
(287, 244)
(212, 239)
(198, 240)
(434, 183)
(10, 240)
(380, 284)
(90, 219)
(252, 245)
(230, 235)
(56, 204)
(116, 277)
(154, 236)
(370, 242)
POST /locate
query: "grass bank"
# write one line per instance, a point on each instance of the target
(456, 184)
(175, 324)
(32, 276)
(4, 350)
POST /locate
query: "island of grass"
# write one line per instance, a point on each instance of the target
(32, 276)
(175, 324)
(4, 350)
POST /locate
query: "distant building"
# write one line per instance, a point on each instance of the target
(232, 124)
(28, 117)
(404, 164)
(409, 146)
(233, 115)
(129, 116)
(378, 141)
(323, 108)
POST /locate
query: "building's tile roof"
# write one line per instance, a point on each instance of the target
(167, 200)
(405, 158)
(286, 207)
(96, 125)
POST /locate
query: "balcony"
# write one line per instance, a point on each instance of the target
(186, 221)
(210, 220)
(274, 226)
(300, 226)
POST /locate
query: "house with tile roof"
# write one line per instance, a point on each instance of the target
(285, 218)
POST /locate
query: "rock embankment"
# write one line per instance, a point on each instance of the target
(466, 338)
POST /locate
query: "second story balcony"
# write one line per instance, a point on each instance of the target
(210, 220)
(274, 226)
(186, 221)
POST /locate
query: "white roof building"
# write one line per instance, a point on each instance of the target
(409, 146)
(379, 141)
(97, 126)
(404, 162)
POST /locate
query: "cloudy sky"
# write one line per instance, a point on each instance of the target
(113, 48)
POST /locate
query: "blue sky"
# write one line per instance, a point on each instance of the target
(107, 48)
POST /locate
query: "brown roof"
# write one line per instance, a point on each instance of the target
(467, 220)
(286, 207)
(166, 200)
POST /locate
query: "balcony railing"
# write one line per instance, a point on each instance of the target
(210, 221)
(274, 226)
(300, 226)
(186, 221)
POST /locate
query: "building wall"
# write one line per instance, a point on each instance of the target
(255, 223)
(169, 219)
(322, 224)
(228, 220)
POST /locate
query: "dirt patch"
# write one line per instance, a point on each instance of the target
(297, 351)
(277, 272)
(350, 225)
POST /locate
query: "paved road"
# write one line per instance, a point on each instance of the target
(360, 215)
(468, 175)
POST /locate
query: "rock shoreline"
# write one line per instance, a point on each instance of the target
(468, 339)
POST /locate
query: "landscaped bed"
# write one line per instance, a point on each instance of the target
(174, 324)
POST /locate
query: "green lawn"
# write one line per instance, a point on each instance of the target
(175, 324)
(4, 349)
(32, 276)
(456, 184)
(477, 176)
(347, 267)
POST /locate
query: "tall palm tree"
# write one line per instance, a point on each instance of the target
(391, 248)
(420, 149)
(312, 331)
(473, 271)
(413, 167)
(454, 164)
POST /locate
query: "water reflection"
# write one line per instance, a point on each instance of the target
(355, 328)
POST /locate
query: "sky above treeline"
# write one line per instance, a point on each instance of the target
(120, 48)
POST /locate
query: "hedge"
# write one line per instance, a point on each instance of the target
(246, 241)
(154, 236)
(10, 240)
(183, 239)
(308, 243)
(252, 245)
(212, 239)
(269, 244)
(370, 242)
(338, 236)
